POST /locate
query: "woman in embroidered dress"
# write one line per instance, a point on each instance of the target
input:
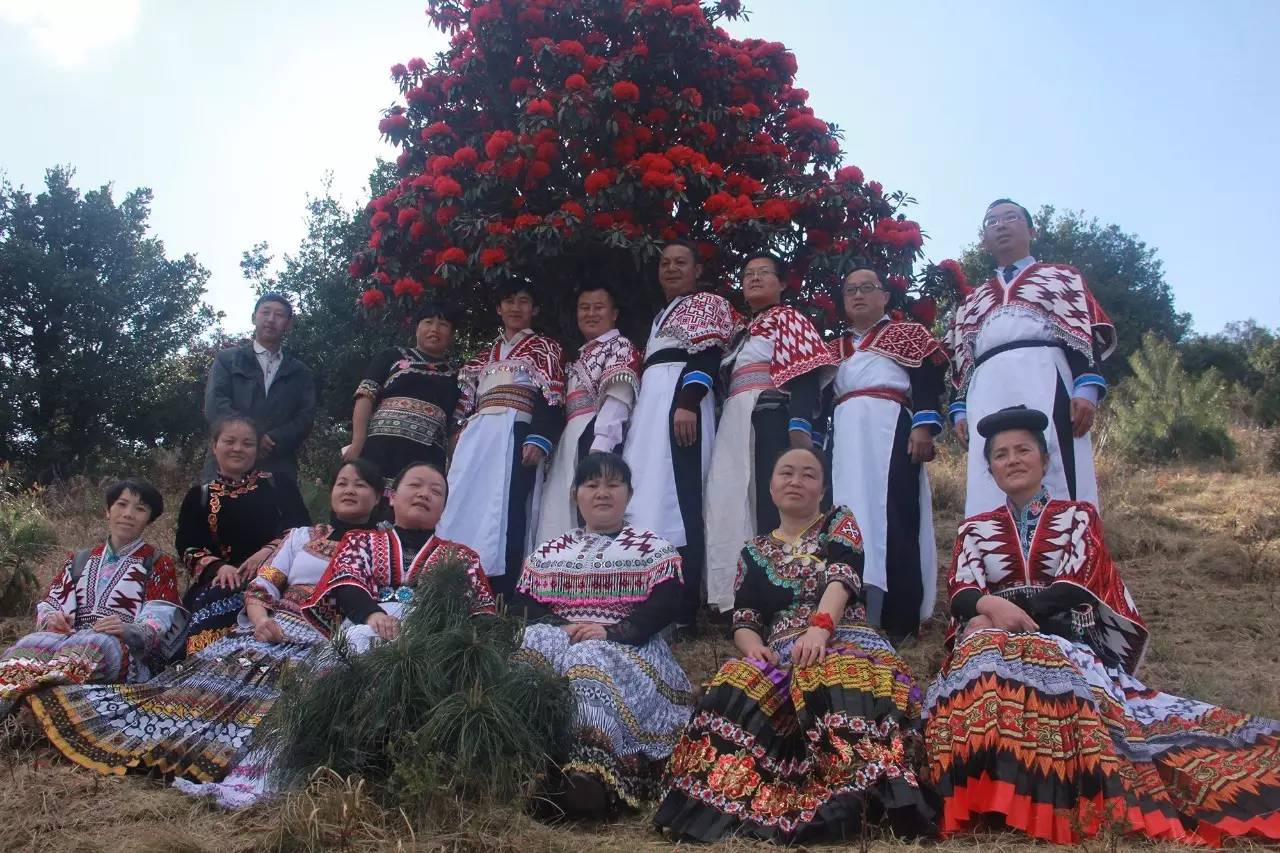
(600, 392)
(110, 615)
(370, 580)
(228, 527)
(405, 403)
(775, 371)
(597, 597)
(196, 721)
(816, 725)
(885, 414)
(1037, 719)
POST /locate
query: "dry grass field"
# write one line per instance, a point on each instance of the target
(1199, 548)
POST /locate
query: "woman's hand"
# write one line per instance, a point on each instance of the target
(977, 623)
(580, 631)
(250, 567)
(384, 625)
(353, 451)
(1006, 615)
(58, 623)
(684, 424)
(760, 653)
(920, 445)
(800, 440)
(1082, 414)
(228, 577)
(268, 631)
(112, 625)
(961, 429)
(531, 455)
(811, 648)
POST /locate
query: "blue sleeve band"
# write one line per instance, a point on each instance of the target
(1091, 379)
(957, 411)
(696, 377)
(539, 442)
(800, 425)
(927, 418)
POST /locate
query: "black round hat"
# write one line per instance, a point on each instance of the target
(1012, 417)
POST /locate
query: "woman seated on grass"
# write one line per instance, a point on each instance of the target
(816, 726)
(110, 615)
(196, 721)
(596, 598)
(228, 527)
(370, 580)
(1037, 722)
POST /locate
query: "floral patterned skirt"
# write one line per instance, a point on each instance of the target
(214, 611)
(1036, 731)
(632, 702)
(805, 754)
(195, 720)
(48, 658)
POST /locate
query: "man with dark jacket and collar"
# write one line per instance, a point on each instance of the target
(262, 381)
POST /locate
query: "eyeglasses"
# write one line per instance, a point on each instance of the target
(862, 288)
(1008, 219)
(758, 272)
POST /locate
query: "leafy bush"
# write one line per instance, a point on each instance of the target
(1161, 413)
(25, 536)
(441, 712)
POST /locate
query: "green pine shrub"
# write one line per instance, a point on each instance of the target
(25, 537)
(1161, 413)
(441, 713)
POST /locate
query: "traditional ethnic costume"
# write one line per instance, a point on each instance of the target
(224, 522)
(680, 363)
(602, 386)
(1032, 335)
(1051, 731)
(889, 381)
(138, 584)
(414, 396)
(196, 721)
(512, 396)
(792, 755)
(374, 571)
(632, 698)
(774, 373)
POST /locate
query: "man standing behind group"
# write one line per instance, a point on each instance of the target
(673, 425)
(271, 387)
(1032, 335)
(512, 398)
(601, 389)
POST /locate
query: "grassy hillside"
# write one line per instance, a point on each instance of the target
(1199, 548)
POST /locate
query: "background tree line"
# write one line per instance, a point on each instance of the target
(108, 340)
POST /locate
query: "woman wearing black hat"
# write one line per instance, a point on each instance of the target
(404, 405)
(1037, 719)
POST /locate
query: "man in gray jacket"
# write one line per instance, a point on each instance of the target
(261, 381)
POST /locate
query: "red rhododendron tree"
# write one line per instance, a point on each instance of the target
(565, 140)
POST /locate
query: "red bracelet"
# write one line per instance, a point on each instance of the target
(823, 621)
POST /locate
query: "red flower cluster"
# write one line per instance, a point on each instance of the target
(625, 90)
(898, 234)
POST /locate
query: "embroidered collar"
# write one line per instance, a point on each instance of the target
(603, 338)
(859, 337)
(1026, 519)
(110, 554)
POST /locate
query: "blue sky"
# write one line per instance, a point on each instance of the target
(1161, 117)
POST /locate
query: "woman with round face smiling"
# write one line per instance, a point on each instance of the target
(887, 389)
(405, 402)
(228, 527)
(777, 369)
(196, 722)
(1037, 719)
(371, 578)
(597, 598)
(601, 389)
(815, 725)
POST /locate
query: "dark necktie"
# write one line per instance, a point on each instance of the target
(1009, 272)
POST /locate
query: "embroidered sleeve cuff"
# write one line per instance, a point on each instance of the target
(957, 411)
(697, 377)
(843, 574)
(746, 617)
(800, 425)
(927, 418)
(1090, 386)
(368, 388)
(540, 442)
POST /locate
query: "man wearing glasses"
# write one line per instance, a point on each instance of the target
(1031, 335)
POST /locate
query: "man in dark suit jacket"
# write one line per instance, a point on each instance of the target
(261, 381)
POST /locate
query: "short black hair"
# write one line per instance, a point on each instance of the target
(273, 296)
(513, 285)
(593, 287)
(436, 308)
(693, 250)
(812, 451)
(404, 472)
(367, 471)
(779, 265)
(146, 493)
(221, 424)
(595, 466)
(1026, 214)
